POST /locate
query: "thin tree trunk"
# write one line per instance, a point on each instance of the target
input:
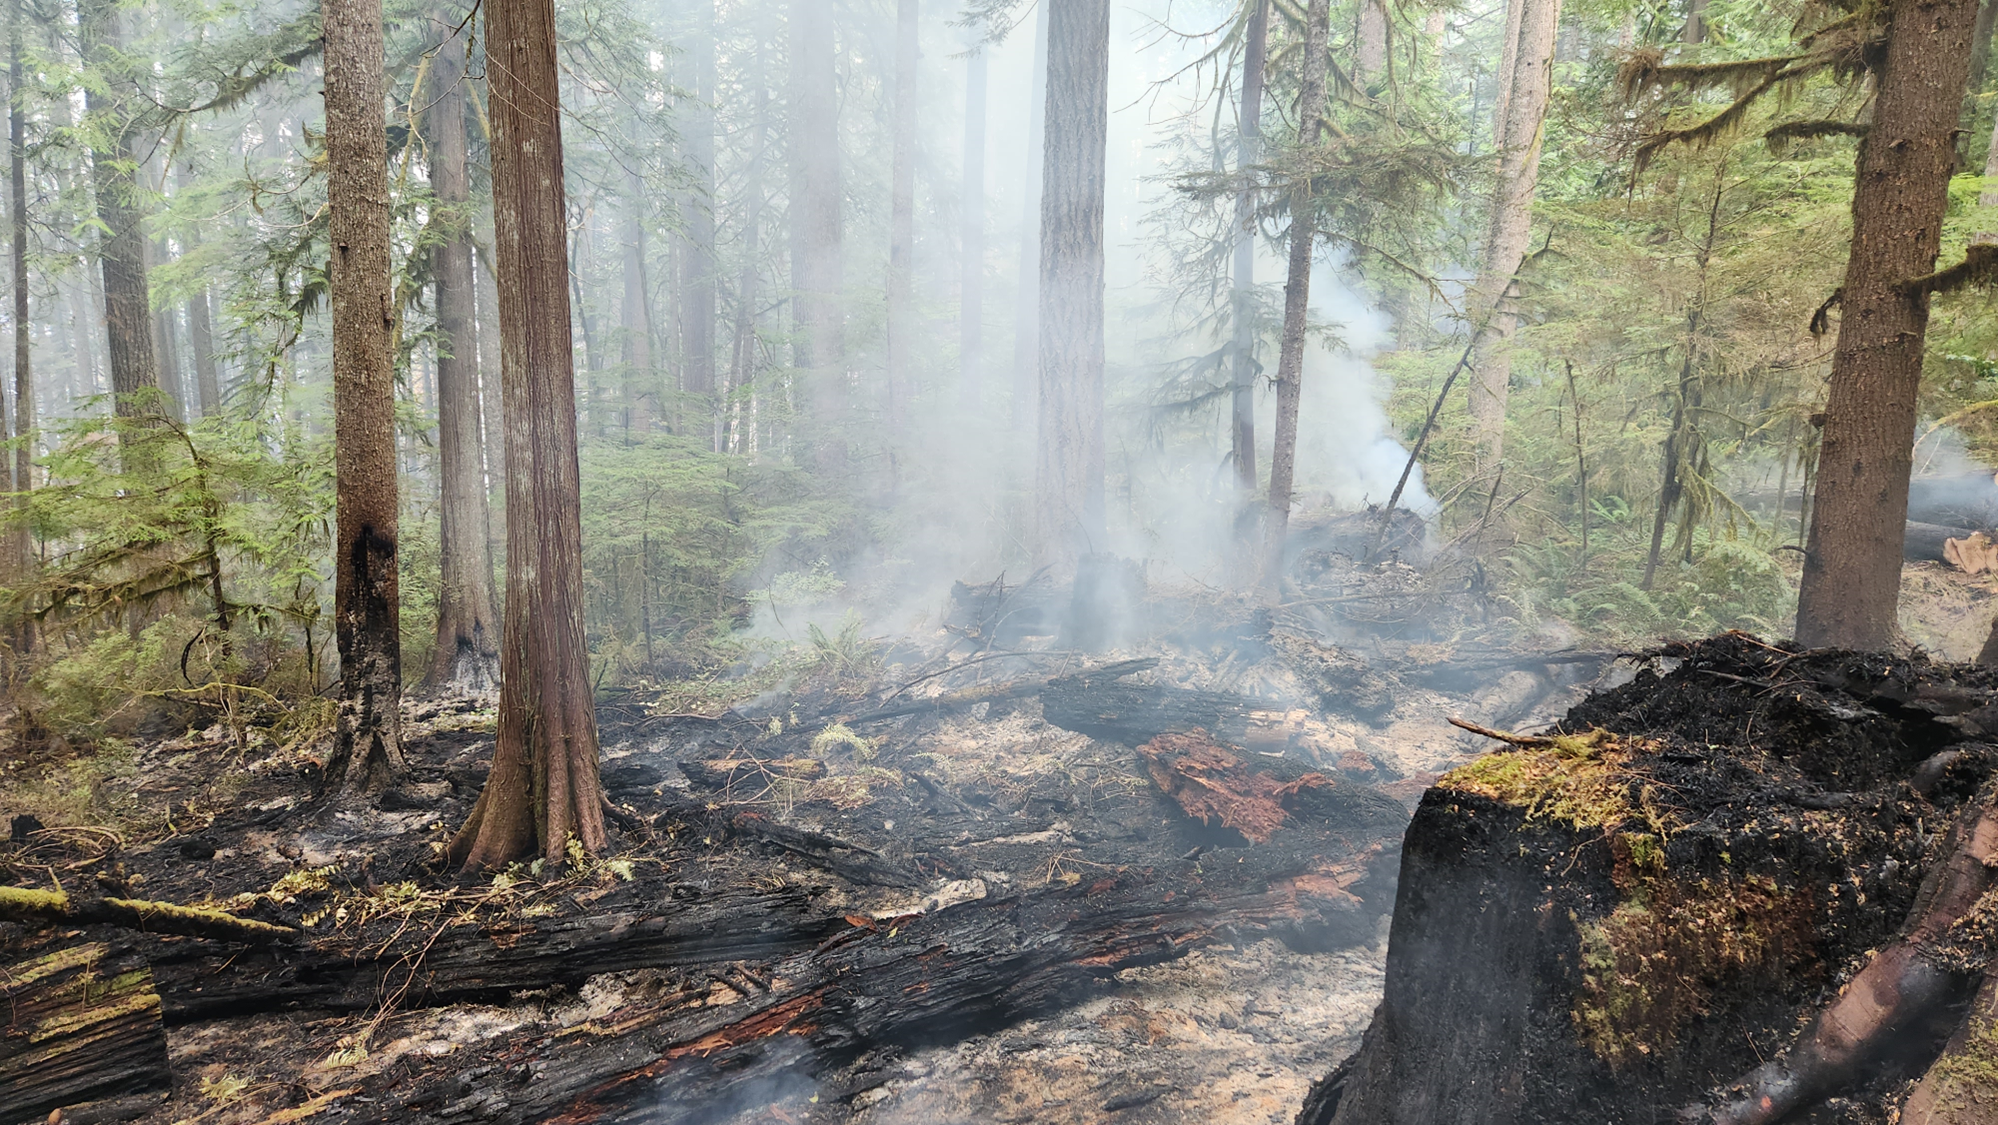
(543, 789)
(1296, 294)
(1027, 302)
(19, 537)
(1980, 52)
(1070, 466)
(1852, 567)
(641, 391)
(593, 357)
(466, 659)
(367, 751)
(697, 293)
(201, 342)
(1243, 406)
(971, 293)
(121, 247)
(816, 232)
(902, 216)
(1517, 129)
(1695, 30)
(1370, 53)
(171, 388)
(492, 425)
(744, 362)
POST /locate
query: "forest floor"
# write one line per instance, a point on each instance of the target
(919, 887)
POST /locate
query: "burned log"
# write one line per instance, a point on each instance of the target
(34, 907)
(82, 1025)
(1103, 704)
(749, 775)
(1929, 542)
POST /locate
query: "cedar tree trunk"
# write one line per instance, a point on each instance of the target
(543, 789)
(19, 539)
(1371, 52)
(816, 232)
(697, 294)
(1069, 469)
(1243, 420)
(1296, 292)
(641, 393)
(1027, 300)
(1852, 563)
(971, 295)
(466, 661)
(902, 214)
(367, 749)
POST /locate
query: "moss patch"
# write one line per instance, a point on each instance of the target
(1581, 780)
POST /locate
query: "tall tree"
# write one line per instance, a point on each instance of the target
(1852, 563)
(20, 542)
(697, 291)
(641, 391)
(1027, 302)
(467, 653)
(200, 329)
(367, 750)
(1248, 153)
(816, 229)
(1370, 52)
(544, 789)
(1296, 286)
(1525, 80)
(121, 247)
(1070, 465)
(902, 212)
(971, 293)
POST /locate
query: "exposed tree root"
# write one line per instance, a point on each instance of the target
(1933, 966)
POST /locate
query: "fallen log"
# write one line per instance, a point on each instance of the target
(966, 698)
(31, 907)
(82, 1024)
(1929, 542)
(724, 774)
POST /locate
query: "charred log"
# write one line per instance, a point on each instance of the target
(82, 1026)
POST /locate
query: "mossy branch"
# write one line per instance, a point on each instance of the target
(31, 907)
(1978, 267)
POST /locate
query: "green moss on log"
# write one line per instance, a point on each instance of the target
(20, 904)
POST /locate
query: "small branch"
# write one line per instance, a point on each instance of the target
(1525, 741)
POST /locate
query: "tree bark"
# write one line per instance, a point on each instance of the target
(902, 214)
(121, 248)
(1526, 77)
(543, 789)
(1243, 406)
(1371, 49)
(201, 341)
(1027, 301)
(466, 660)
(367, 750)
(172, 390)
(816, 232)
(697, 293)
(971, 293)
(1296, 292)
(1069, 477)
(492, 426)
(20, 539)
(1852, 566)
(1695, 31)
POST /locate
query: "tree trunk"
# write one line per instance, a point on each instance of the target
(1243, 407)
(1069, 477)
(1695, 30)
(1852, 567)
(1296, 293)
(1027, 301)
(201, 342)
(121, 248)
(1526, 80)
(544, 788)
(971, 295)
(816, 232)
(641, 392)
(164, 347)
(466, 660)
(492, 427)
(902, 216)
(367, 749)
(1980, 55)
(697, 293)
(1371, 50)
(19, 538)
